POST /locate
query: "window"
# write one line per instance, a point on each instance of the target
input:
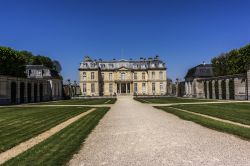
(110, 88)
(122, 76)
(161, 75)
(135, 87)
(135, 76)
(111, 65)
(92, 88)
(153, 75)
(143, 87)
(92, 76)
(84, 89)
(143, 76)
(153, 87)
(161, 86)
(110, 76)
(84, 76)
(102, 76)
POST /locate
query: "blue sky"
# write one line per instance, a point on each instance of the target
(183, 32)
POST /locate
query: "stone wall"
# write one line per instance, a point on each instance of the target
(228, 87)
(14, 90)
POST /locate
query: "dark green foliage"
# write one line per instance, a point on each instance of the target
(216, 86)
(223, 89)
(59, 148)
(233, 62)
(210, 90)
(210, 123)
(12, 63)
(231, 89)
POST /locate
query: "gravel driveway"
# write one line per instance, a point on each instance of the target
(132, 133)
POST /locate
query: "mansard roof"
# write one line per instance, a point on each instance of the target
(142, 64)
(200, 71)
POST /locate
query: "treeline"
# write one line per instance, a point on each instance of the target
(233, 62)
(12, 62)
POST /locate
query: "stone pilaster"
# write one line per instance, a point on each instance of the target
(227, 89)
(213, 89)
(208, 95)
(236, 91)
(220, 91)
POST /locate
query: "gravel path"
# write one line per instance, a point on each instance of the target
(132, 133)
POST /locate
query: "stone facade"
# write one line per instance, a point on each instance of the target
(35, 88)
(228, 87)
(127, 77)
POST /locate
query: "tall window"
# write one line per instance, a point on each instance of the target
(161, 75)
(84, 89)
(110, 88)
(135, 76)
(92, 77)
(122, 76)
(143, 76)
(110, 76)
(153, 75)
(161, 86)
(153, 87)
(102, 76)
(135, 87)
(92, 88)
(143, 87)
(84, 76)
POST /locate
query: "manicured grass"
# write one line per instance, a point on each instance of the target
(59, 148)
(168, 100)
(237, 112)
(210, 123)
(81, 102)
(18, 124)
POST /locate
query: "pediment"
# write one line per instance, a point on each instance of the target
(123, 68)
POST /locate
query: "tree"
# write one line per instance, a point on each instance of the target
(57, 66)
(11, 62)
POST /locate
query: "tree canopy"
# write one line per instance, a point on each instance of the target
(12, 62)
(233, 62)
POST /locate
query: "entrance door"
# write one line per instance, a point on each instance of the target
(123, 88)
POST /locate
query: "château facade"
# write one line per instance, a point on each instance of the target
(123, 77)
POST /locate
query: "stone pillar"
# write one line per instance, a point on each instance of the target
(126, 88)
(227, 89)
(248, 83)
(120, 90)
(236, 92)
(190, 89)
(213, 89)
(208, 95)
(186, 88)
(26, 91)
(17, 91)
(219, 87)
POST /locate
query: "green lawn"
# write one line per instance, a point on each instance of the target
(18, 124)
(81, 102)
(237, 112)
(59, 148)
(210, 123)
(168, 100)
